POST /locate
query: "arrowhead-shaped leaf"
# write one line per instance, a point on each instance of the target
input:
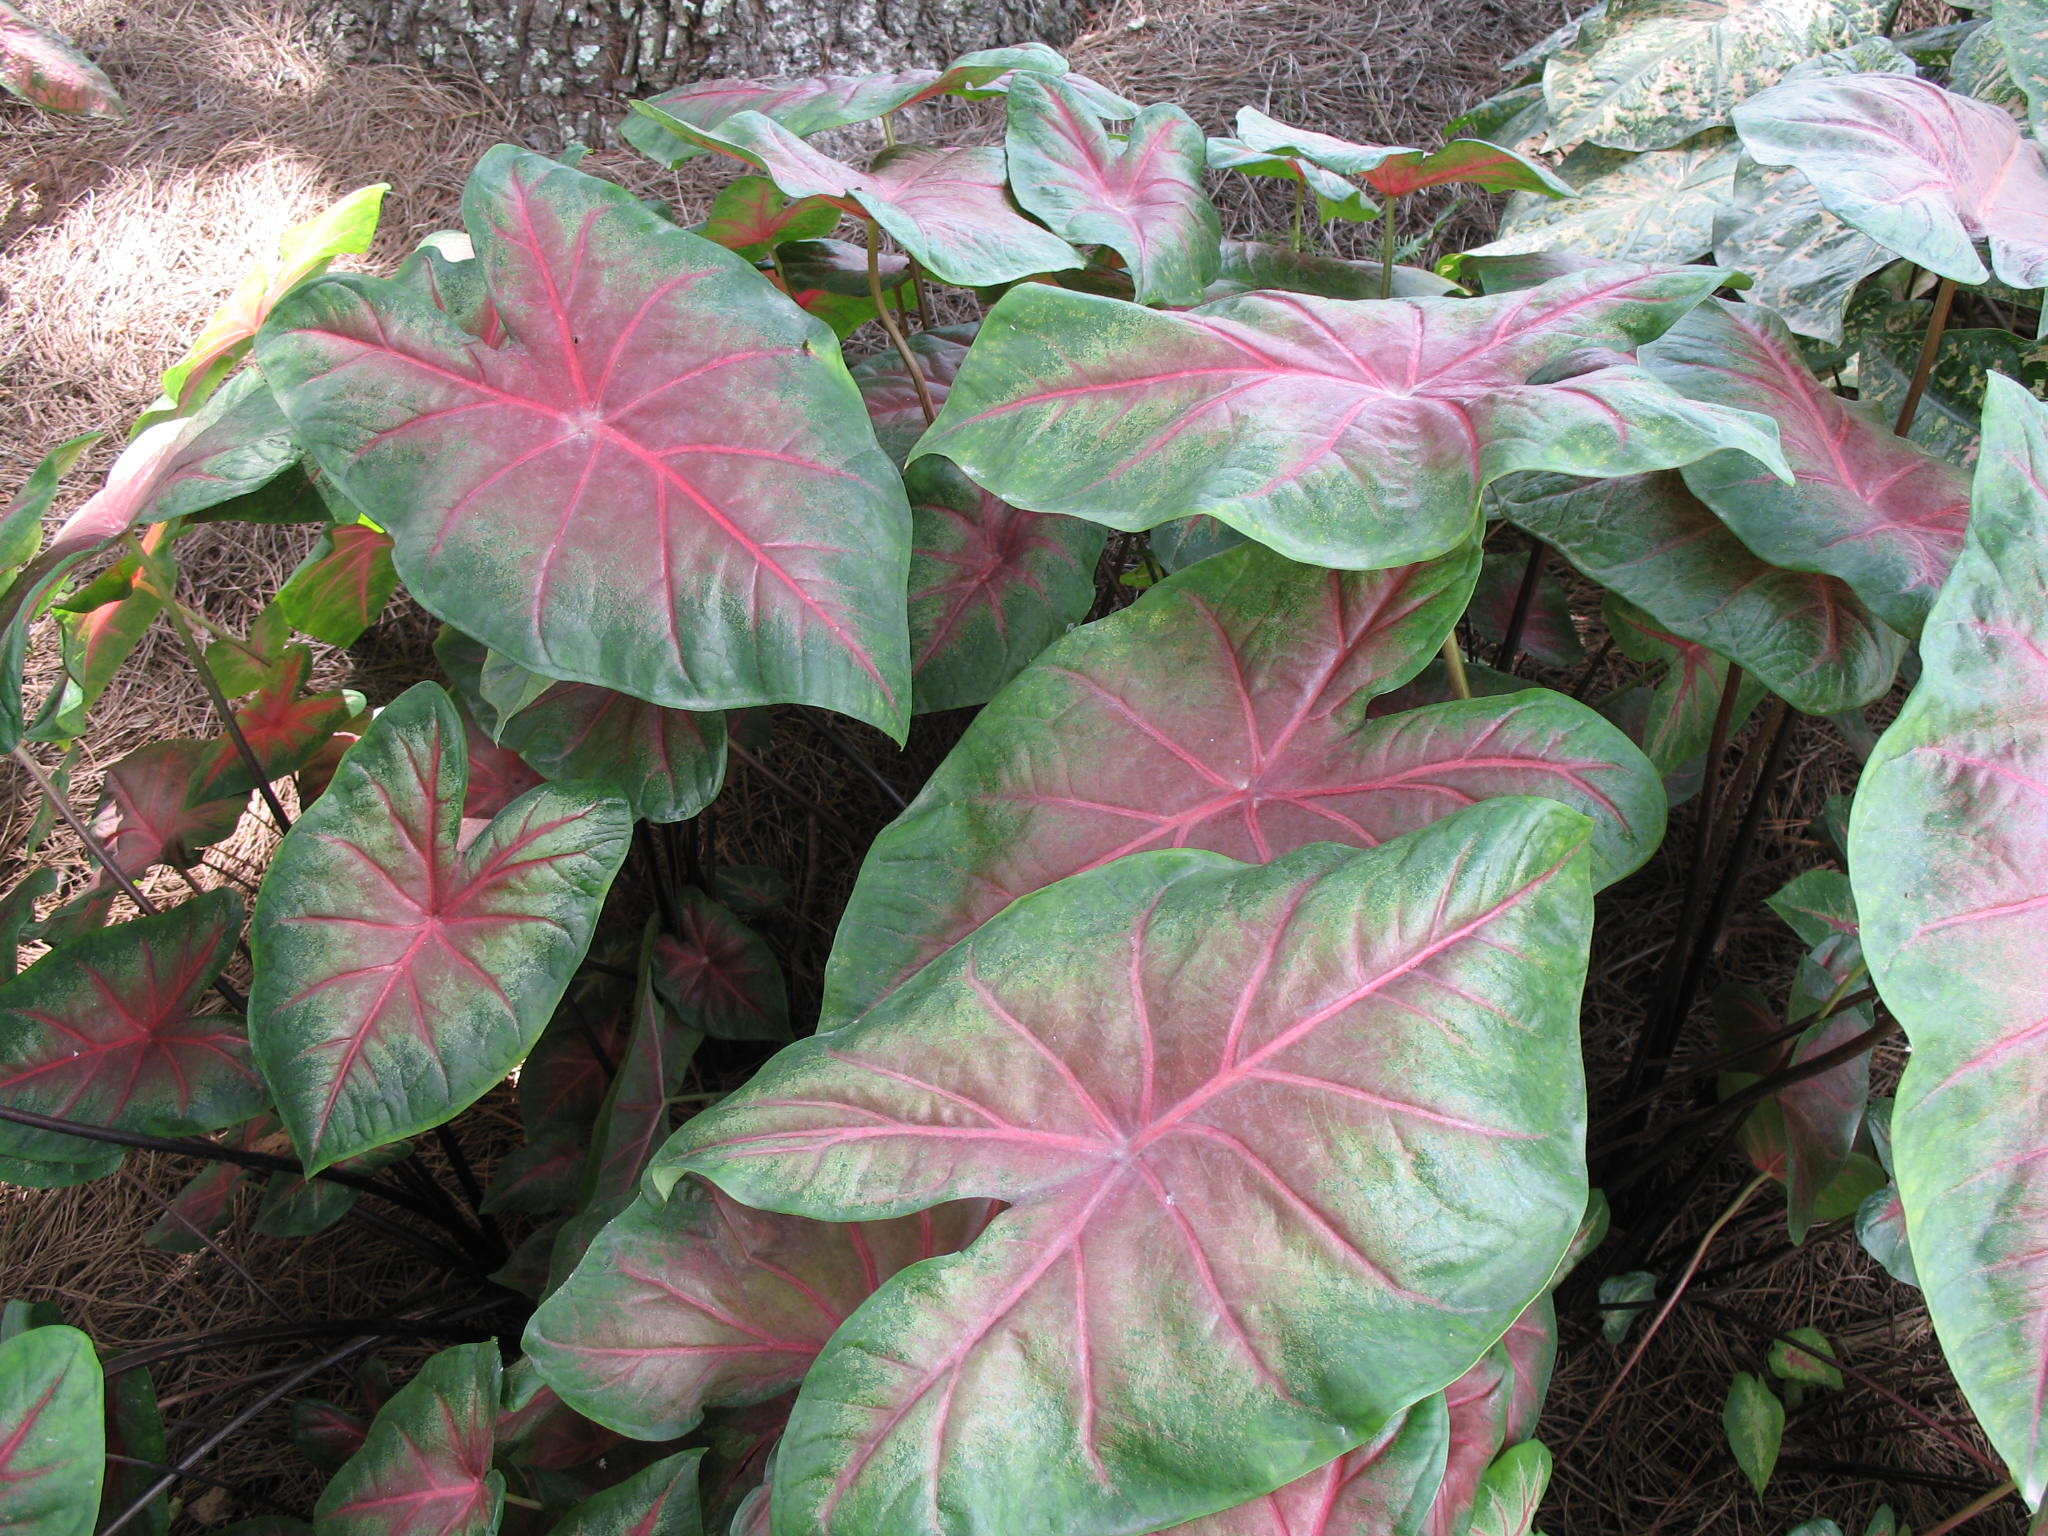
(1393, 171)
(398, 977)
(1651, 540)
(340, 588)
(41, 66)
(1506, 1501)
(1336, 198)
(1881, 1229)
(1652, 74)
(1630, 208)
(1240, 1104)
(750, 217)
(52, 1433)
(1864, 505)
(285, 730)
(1948, 846)
(1110, 744)
(660, 1500)
(1142, 197)
(668, 764)
(1272, 412)
(106, 1029)
(146, 814)
(718, 975)
(425, 1469)
(1755, 1422)
(991, 585)
(1924, 172)
(1806, 263)
(775, 536)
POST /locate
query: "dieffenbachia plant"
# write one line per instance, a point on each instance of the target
(1187, 1126)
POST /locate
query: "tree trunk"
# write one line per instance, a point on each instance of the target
(569, 65)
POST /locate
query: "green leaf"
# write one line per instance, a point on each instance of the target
(425, 1469)
(1657, 207)
(296, 1207)
(1806, 262)
(1981, 70)
(1677, 725)
(135, 1430)
(1511, 1490)
(1335, 197)
(2022, 30)
(1755, 1422)
(1947, 420)
(1881, 1229)
(659, 1500)
(399, 976)
(719, 975)
(52, 1433)
(339, 589)
(1248, 265)
(667, 764)
(21, 523)
(1811, 1360)
(1637, 1285)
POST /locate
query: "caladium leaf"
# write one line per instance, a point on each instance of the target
(1755, 1423)
(751, 890)
(296, 1207)
(285, 730)
(991, 585)
(135, 1448)
(1248, 265)
(325, 1433)
(543, 1174)
(510, 476)
(1548, 634)
(1381, 1489)
(1142, 197)
(718, 975)
(1946, 856)
(1651, 540)
(1806, 262)
(339, 589)
(44, 68)
(97, 643)
(946, 207)
(1643, 208)
(1653, 74)
(1478, 1404)
(204, 1204)
(660, 1500)
(2021, 27)
(1180, 543)
(1271, 751)
(106, 1029)
(668, 764)
(1678, 725)
(1811, 1361)
(1394, 171)
(398, 977)
(892, 399)
(834, 266)
(564, 1080)
(425, 1468)
(1881, 1229)
(1140, 1125)
(497, 775)
(52, 1432)
(1336, 198)
(1953, 405)
(1922, 171)
(694, 1301)
(1271, 412)
(1509, 1493)
(146, 814)
(1864, 505)
(750, 217)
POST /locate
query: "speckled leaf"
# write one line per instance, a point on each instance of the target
(1656, 208)
(1548, 635)
(990, 585)
(398, 977)
(325, 1433)
(667, 764)
(654, 392)
(693, 1301)
(718, 975)
(1650, 539)
(107, 1029)
(1262, 1114)
(1811, 1361)
(1679, 724)
(425, 1469)
(2021, 27)
(892, 399)
(1865, 505)
(1248, 265)
(660, 1500)
(52, 1433)
(1806, 262)
(1141, 195)
(1225, 710)
(1980, 69)
(1491, 1406)
(1395, 171)
(1655, 72)
(1922, 171)
(1272, 412)
(339, 589)
(946, 207)
(296, 1207)
(1947, 420)
(750, 217)
(1947, 853)
(44, 68)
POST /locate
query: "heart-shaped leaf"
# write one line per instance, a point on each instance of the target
(1657, 207)
(1109, 745)
(1651, 540)
(990, 585)
(660, 1500)
(1806, 263)
(1924, 172)
(425, 1469)
(694, 1301)
(42, 66)
(106, 1029)
(718, 975)
(284, 728)
(399, 976)
(146, 814)
(1864, 505)
(1755, 1422)
(775, 535)
(750, 217)
(1652, 74)
(891, 397)
(1240, 1107)
(1142, 197)
(1947, 853)
(1510, 1492)
(52, 1432)
(1272, 412)
(97, 643)
(668, 764)
(340, 588)
(296, 1207)
(1393, 171)
(947, 207)
(1678, 723)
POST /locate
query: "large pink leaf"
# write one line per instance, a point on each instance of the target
(696, 1301)
(425, 1467)
(1274, 412)
(107, 1029)
(1948, 852)
(1865, 505)
(1225, 710)
(42, 66)
(52, 1433)
(399, 975)
(1333, 1097)
(718, 975)
(1142, 197)
(1922, 171)
(949, 208)
(653, 393)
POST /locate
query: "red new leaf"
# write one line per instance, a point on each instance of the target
(285, 730)
(718, 975)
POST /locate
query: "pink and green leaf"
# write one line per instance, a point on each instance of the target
(653, 392)
(718, 975)
(52, 1433)
(668, 764)
(44, 68)
(399, 973)
(1510, 1492)
(750, 218)
(660, 1500)
(284, 728)
(1394, 171)
(147, 815)
(1678, 725)
(891, 397)
(1548, 635)
(1272, 412)
(339, 589)
(425, 1466)
(1336, 198)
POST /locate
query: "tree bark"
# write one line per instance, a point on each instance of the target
(569, 65)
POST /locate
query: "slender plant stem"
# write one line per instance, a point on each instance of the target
(917, 294)
(1387, 251)
(1454, 666)
(166, 585)
(1296, 234)
(472, 1191)
(888, 321)
(1518, 619)
(1972, 1510)
(1869, 1472)
(1585, 682)
(657, 876)
(1728, 1214)
(837, 740)
(1930, 348)
(170, 1209)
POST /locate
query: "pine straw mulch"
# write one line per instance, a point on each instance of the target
(116, 240)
